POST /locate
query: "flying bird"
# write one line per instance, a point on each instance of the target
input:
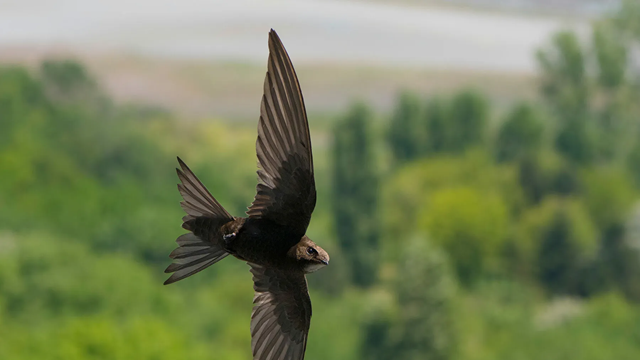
(271, 239)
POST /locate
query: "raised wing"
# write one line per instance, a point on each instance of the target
(281, 314)
(286, 192)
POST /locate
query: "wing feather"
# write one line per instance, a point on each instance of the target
(281, 314)
(286, 191)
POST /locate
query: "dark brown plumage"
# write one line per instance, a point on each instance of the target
(272, 238)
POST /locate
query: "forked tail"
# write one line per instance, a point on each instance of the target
(201, 247)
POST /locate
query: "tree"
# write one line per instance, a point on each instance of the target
(425, 293)
(628, 18)
(68, 82)
(470, 225)
(566, 89)
(576, 142)
(564, 77)
(355, 189)
(624, 256)
(567, 247)
(21, 97)
(420, 325)
(609, 196)
(611, 55)
(616, 109)
(520, 135)
(592, 90)
(469, 115)
(633, 163)
(405, 136)
(438, 133)
(547, 173)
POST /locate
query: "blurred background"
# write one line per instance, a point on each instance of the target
(477, 164)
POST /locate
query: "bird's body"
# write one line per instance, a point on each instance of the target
(272, 238)
(261, 241)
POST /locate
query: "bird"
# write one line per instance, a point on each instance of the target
(272, 237)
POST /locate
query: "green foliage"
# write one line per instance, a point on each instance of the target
(576, 142)
(21, 98)
(567, 243)
(611, 54)
(520, 134)
(35, 281)
(565, 85)
(469, 115)
(406, 195)
(624, 254)
(68, 82)
(617, 91)
(406, 135)
(419, 323)
(502, 322)
(626, 19)
(594, 106)
(355, 184)
(567, 91)
(445, 125)
(545, 174)
(633, 163)
(438, 137)
(90, 212)
(609, 195)
(61, 300)
(470, 225)
(425, 293)
(615, 125)
(102, 338)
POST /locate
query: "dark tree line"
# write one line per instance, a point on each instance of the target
(355, 194)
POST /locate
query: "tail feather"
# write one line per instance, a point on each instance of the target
(188, 251)
(200, 248)
(193, 256)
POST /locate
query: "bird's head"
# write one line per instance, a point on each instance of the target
(311, 256)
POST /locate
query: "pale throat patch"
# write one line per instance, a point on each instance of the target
(313, 267)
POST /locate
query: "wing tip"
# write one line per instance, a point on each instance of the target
(274, 41)
(183, 165)
(182, 170)
(169, 269)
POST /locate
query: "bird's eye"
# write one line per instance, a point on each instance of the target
(311, 251)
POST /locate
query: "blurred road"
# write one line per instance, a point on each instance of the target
(314, 31)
